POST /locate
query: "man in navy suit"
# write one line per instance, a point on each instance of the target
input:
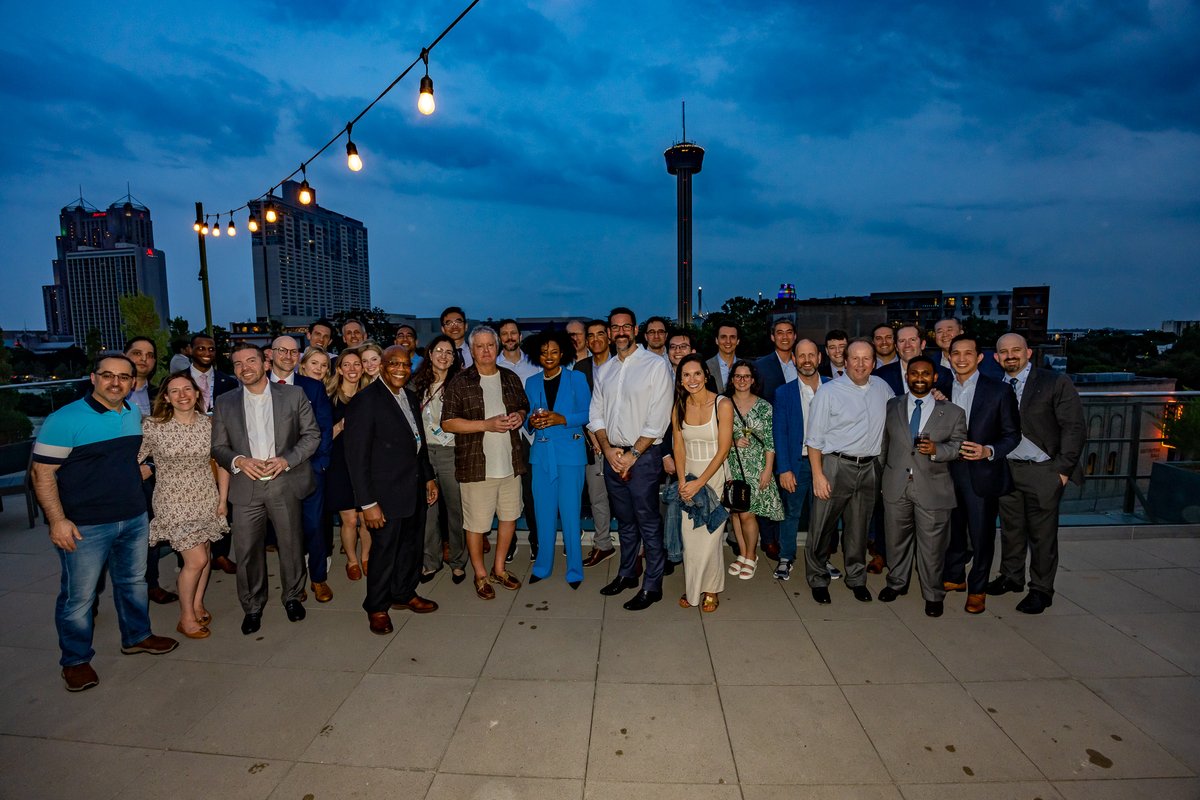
(779, 366)
(909, 343)
(285, 352)
(981, 473)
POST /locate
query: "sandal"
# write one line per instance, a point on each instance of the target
(683, 602)
(710, 602)
(735, 568)
(748, 569)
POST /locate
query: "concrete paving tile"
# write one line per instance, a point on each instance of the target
(1180, 552)
(1175, 637)
(936, 732)
(19, 570)
(524, 728)
(461, 598)
(1166, 709)
(764, 652)
(1006, 606)
(183, 776)
(758, 598)
(631, 651)
(1106, 593)
(798, 735)
(19, 538)
(103, 770)
(609, 790)
(1179, 587)
(901, 656)
(1114, 554)
(333, 640)
(227, 645)
(839, 792)
(541, 648)
(1089, 648)
(271, 713)
(1070, 733)
(983, 648)
(675, 733)
(1029, 790)
(448, 786)
(27, 620)
(1154, 789)
(554, 598)
(843, 607)
(364, 730)
(360, 783)
(439, 644)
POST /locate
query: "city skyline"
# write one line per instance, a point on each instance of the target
(848, 150)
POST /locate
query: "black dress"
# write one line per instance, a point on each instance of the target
(339, 494)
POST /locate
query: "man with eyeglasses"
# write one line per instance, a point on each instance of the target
(213, 383)
(454, 325)
(285, 353)
(603, 545)
(87, 480)
(656, 336)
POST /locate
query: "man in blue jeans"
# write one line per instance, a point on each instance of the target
(87, 479)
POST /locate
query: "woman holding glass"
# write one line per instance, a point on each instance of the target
(189, 495)
(751, 459)
(559, 400)
(342, 384)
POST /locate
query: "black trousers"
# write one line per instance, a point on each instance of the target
(396, 553)
(972, 535)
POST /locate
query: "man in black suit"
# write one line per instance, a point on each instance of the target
(910, 342)
(1053, 435)
(778, 367)
(213, 383)
(834, 363)
(981, 473)
(393, 484)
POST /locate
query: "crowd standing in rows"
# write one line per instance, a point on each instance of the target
(898, 456)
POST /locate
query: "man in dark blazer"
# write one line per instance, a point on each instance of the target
(394, 484)
(1053, 435)
(265, 434)
(909, 344)
(779, 366)
(981, 474)
(921, 436)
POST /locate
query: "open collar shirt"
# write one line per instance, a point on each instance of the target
(632, 398)
(847, 418)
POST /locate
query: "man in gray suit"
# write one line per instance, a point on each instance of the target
(264, 435)
(719, 365)
(920, 438)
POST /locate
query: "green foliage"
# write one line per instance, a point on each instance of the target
(92, 344)
(751, 316)
(1115, 351)
(1182, 432)
(138, 318)
(1181, 362)
(379, 330)
(179, 328)
(985, 330)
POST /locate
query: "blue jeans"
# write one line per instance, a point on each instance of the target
(796, 506)
(122, 547)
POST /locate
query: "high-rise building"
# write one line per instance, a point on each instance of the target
(311, 262)
(103, 256)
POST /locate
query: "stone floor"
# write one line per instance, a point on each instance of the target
(549, 693)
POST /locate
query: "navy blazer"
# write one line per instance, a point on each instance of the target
(386, 463)
(314, 390)
(995, 422)
(895, 378)
(771, 374)
(787, 426)
(566, 445)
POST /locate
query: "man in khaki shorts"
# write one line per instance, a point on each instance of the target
(484, 407)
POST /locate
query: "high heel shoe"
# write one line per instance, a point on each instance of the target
(202, 633)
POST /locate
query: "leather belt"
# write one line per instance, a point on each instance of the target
(854, 459)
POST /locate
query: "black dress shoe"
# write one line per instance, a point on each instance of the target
(574, 584)
(669, 567)
(251, 623)
(1035, 602)
(458, 577)
(512, 552)
(862, 594)
(821, 595)
(1002, 585)
(641, 601)
(887, 594)
(532, 578)
(294, 609)
(933, 608)
(426, 577)
(619, 585)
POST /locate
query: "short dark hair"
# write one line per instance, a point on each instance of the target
(922, 359)
(783, 321)
(591, 323)
(240, 346)
(663, 320)
(106, 355)
(837, 334)
(728, 323)
(404, 325)
(137, 339)
(451, 310)
(623, 310)
(200, 335)
(322, 321)
(887, 325)
(966, 337)
(508, 321)
(177, 345)
(676, 333)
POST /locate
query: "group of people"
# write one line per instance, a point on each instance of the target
(892, 454)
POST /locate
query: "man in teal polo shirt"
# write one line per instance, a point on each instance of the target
(86, 476)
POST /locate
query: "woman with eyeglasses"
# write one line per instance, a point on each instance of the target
(342, 384)
(441, 363)
(751, 459)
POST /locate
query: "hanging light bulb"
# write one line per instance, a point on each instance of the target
(204, 227)
(269, 215)
(216, 229)
(353, 161)
(425, 102)
(252, 223)
(232, 229)
(196, 226)
(305, 195)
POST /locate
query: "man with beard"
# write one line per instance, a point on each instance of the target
(885, 344)
(603, 546)
(910, 343)
(631, 406)
(656, 336)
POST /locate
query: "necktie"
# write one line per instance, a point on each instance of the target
(1013, 383)
(282, 380)
(914, 424)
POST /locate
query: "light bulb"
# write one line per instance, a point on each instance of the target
(353, 161)
(305, 195)
(204, 228)
(425, 101)
(216, 228)
(270, 215)
(196, 226)
(252, 223)
(231, 230)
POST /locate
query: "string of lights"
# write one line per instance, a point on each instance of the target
(425, 104)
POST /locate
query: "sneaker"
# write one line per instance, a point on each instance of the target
(784, 571)
(834, 572)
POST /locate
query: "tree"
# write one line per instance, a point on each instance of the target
(92, 345)
(753, 318)
(379, 330)
(14, 424)
(179, 328)
(138, 318)
(985, 330)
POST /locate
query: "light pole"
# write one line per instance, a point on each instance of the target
(204, 274)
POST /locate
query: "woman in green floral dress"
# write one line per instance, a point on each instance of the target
(752, 459)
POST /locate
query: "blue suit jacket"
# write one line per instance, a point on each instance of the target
(895, 378)
(771, 374)
(566, 445)
(787, 425)
(996, 422)
(314, 390)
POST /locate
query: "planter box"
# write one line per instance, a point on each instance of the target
(1174, 491)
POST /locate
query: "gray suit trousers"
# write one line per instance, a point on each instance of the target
(913, 531)
(852, 498)
(593, 477)
(273, 501)
(1029, 522)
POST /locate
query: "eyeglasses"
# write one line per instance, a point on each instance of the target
(120, 376)
(285, 351)
(628, 326)
(453, 322)
(680, 347)
(743, 377)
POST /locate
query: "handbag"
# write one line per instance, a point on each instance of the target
(736, 494)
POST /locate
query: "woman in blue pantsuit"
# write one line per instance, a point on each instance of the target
(557, 457)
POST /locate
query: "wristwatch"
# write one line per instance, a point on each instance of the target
(633, 451)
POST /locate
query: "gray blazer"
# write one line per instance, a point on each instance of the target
(714, 367)
(933, 488)
(297, 437)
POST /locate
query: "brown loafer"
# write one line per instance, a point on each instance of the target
(79, 677)
(597, 556)
(875, 565)
(380, 622)
(364, 566)
(506, 580)
(951, 586)
(976, 603)
(484, 589)
(154, 645)
(322, 591)
(161, 596)
(225, 565)
(354, 572)
(417, 604)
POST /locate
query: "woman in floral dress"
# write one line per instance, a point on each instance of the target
(752, 459)
(189, 495)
